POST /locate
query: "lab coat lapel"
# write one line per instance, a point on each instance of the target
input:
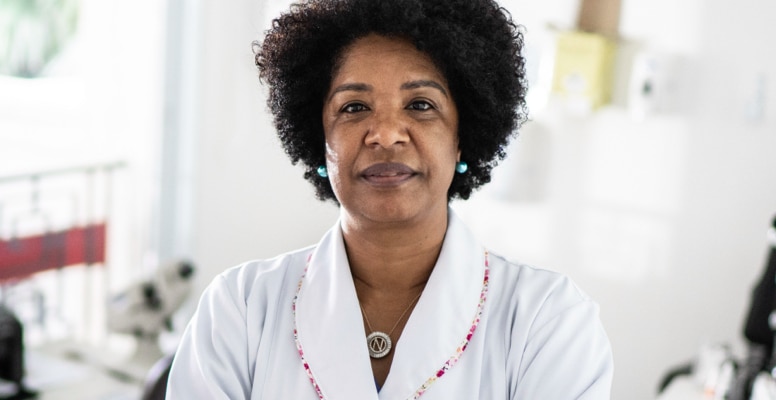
(443, 315)
(329, 324)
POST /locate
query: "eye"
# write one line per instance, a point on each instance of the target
(420, 105)
(353, 108)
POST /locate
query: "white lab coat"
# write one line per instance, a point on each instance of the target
(539, 338)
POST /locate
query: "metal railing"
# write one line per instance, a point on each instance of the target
(54, 231)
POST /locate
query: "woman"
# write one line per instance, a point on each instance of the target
(394, 108)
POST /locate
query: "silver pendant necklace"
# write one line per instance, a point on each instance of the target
(379, 343)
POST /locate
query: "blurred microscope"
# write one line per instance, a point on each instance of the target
(145, 310)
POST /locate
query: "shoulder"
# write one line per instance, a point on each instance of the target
(529, 281)
(553, 334)
(235, 325)
(535, 294)
(262, 277)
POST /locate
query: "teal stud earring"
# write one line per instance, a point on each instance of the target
(322, 172)
(461, 167)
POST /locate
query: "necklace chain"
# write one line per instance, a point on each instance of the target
(363, 312)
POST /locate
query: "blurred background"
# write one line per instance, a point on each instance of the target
(138, 160)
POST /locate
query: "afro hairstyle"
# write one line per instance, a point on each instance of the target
(474, 43)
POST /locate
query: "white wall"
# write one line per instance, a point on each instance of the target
(662, 221)
(250, 202)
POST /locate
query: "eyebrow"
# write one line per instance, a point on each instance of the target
(423, 83)
(363, 87)
(356, 87)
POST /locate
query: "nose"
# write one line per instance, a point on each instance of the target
(387, 129)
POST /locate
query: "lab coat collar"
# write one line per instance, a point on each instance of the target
(330, 327)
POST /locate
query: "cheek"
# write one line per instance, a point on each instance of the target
(452, 150)
(337, 162)
(331, 142)
(342, 146)
(331, 153)
(333, 168)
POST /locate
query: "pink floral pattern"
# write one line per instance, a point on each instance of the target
(459, 351)
(296, 333)
(447, 365)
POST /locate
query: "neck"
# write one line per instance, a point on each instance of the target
(390, 257)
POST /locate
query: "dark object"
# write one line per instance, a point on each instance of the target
(759, 331)
(12, 355)
(684, 369)
(156, 382)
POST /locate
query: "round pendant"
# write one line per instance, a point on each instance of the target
(379, 344)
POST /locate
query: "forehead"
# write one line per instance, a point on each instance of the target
(371, 54)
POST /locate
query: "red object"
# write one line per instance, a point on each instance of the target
(20, 257)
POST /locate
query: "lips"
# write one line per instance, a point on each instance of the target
(386, 174)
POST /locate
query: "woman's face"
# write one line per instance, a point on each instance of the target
(391, 132)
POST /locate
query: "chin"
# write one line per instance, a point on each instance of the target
(396, 212)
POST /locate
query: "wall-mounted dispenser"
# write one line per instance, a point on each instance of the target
(585, 57)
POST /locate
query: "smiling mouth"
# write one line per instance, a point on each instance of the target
(387, 174)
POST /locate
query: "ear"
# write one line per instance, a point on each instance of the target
(458, 155)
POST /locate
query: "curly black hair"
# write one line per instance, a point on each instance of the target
(474, 43)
